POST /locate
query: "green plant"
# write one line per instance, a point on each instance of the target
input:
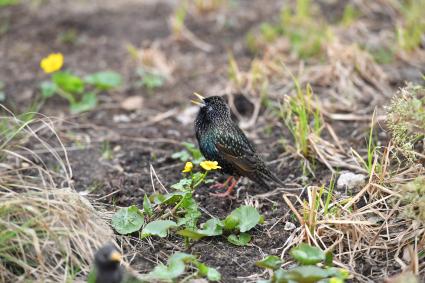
(301, 119)
(150, 80)
(176, 266)
(191, 152)
(372, 150)
(413, 196)
(179, 210)
(106, 150)
(5, 3)
(306, 32)
(177, 20)
(411, 30)
(80, 93)
(350, 15)
(314, 266)
(406, 119)
(241, 220)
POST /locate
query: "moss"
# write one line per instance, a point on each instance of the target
(406, 119)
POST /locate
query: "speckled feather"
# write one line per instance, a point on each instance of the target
(221, 140)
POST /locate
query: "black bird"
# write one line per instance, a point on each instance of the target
(220, 139)
(107, 268)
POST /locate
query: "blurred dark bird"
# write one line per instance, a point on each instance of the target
(107, 268)
(220, 139)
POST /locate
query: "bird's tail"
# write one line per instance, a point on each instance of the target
(267, 174)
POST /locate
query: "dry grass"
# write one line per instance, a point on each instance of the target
(368, 226)
(48, 232)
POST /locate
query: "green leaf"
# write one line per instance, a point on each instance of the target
(163, 272)
(304, 274)
(174, 268)
(168, 199)
(213, 227)
(88, 102)
(105, 80)
(328, 258)
(48, 89)
(127, 220)
(271, 262)
(150, 80)
(241, 240)
(158, 228)
(243, 218)
(91, 278)
(194, 151)
(182, 184)
(307, 255)
(190, 152)
(147, 206)
(182, 155)
(211, 273)
(192, 212)
(68, 82)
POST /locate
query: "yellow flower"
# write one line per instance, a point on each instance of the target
(52, 63)
(187, 167)
(210, 165)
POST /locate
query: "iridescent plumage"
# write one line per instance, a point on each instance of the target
(220, 139)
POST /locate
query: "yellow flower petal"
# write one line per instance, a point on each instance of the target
(210, 165)
(52, 63)
(187, 167)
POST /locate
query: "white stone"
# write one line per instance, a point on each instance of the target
(349, 180)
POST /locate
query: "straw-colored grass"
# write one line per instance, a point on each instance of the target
(48, 232)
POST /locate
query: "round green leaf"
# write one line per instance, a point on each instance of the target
(88, 102)
(271, 262)
(68, 82)
(244, 218)
(158, 228)
(48, 89)
(104, 80)
(127, 220)
(241, 240)
(307, 255)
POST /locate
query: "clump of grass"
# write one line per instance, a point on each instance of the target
(413, 195)
(305, 32)
(48, 232)
(406, 119)
(301, 118)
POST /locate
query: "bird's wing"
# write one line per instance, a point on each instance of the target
(238, 151)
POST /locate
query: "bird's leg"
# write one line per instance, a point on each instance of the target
(221, 185)
(229, 189)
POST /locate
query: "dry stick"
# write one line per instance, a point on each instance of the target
(320, 155)
(291, 206)
(334, 136)
(152, 171)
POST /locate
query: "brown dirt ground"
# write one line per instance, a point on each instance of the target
(103, 31)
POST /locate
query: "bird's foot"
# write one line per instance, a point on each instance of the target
(221, 185)
(228, 191)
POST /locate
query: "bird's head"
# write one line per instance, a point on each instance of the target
(213, 108)
(107, 258)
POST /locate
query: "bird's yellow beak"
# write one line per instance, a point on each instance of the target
(200, 97)
(115, 256)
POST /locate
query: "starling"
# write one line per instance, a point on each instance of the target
(107, 266)
(220, 139)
